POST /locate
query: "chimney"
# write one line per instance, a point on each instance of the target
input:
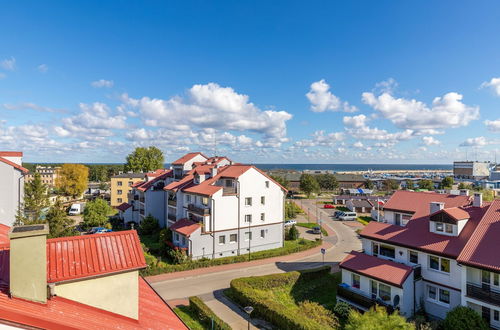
(436, 206)
(464, 192)
(213, 171)
(28, 262)
(478, 200)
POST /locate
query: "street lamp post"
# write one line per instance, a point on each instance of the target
(249, 310)
(249, 238)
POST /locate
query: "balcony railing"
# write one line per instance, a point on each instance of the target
(229, 191)
(484, 294)
(172, 202)
(198, 210)
(360, 299)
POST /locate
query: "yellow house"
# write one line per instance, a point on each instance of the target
(121, 185)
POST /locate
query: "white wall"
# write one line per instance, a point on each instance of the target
(12, 189)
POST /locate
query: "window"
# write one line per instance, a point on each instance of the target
(413, 257)
(248, 218)
(176, 237)
(444, 296)
(495, 279)
(188, 198)
(375, 249)
(440, 264)
(228, 183)
(248, 201)
(130, 183)
(262, 233)
(119, 200)
(233, 238)
(248, 235)
(222, 239)
(373, 289)
(119, 192)
(387, 251)
(356, 281)
(495, 315)
(439, 226)
(262, 216)
(183, 240)
(204, 200)
(267, 184)
(263, 200)
(431, 293)
(448, 228)
(384, 292)
(119, 183)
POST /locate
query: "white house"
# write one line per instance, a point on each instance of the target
(12, 193)
(443, 244)
(219, 208)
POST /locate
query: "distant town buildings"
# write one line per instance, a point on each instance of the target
(121, 185)
(12, 175)
(48, 175)
(473, 170)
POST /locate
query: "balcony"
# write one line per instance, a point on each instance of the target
(198, 210)
(361, 300)
(172, 202)
(141, 211)
(141, 199)
(483, 294)
(172, 217)
(229, 191)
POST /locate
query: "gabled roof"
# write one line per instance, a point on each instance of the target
(455, 213)
(418, 202)
(185, 227)
(187, 157)
(11, 153)
(387, 271)
(158, 175)
(361, 203)
(77, 257)
(123, 207)
(482, 248)
(176, 185)
(16, 166)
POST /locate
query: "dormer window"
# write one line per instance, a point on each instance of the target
(448, 221)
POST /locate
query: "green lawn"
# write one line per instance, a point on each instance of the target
(364, 219)
(342, 208)
(311, 226)
(186, 315)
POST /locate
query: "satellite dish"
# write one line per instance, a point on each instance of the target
(396, 300)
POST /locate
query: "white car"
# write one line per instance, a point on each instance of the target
(75, 209)
(290, 223)
(348, 216)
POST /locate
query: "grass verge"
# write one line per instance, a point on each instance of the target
(186, 315)
(311, 226)
(364, 220)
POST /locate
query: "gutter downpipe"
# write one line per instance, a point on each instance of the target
(239, 230)
(212, 227)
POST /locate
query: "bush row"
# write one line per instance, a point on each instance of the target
(245, 292)
(155, 267)
(206, 315)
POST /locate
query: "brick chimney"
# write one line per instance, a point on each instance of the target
(28, 262)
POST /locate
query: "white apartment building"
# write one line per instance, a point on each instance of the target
(218, 208)
(435, 251)
(12, 193)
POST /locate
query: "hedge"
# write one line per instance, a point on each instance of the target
(206, 315)
(155, 267)
(244, 292)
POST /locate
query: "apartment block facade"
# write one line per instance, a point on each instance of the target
(48, 175)
(431, 250)
(121, 185)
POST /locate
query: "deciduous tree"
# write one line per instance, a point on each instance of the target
(327, 181)
(426, 184)
(72, 179)
(308, 184)
(60, 224)
(463, 318)
(96, 213)
(447, 182)
(145, 160)
(36, 198)
(390, 184)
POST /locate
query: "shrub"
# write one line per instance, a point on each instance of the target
(149, 225)
(377, 319)
(292, 234)
(206, 315)
(462, 317)
(342, 310)
(316, 312)
(177, 256)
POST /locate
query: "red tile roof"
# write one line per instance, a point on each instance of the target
(482, 248)
(61, 313)
(416, 234)
(16, 166)
(92, 255)
(11, 153)
(383, 270)
(187, 157)
(418, 202)
(455, 212)
(123, 207)
(4, 234)
(176, 185)
(185, 227)
(145, 185)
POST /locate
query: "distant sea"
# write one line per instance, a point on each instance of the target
(354, 167)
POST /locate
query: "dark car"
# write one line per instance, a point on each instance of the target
(317, 230)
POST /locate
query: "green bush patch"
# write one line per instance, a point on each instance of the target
(205, 315)
(187, 315)
(311, 226)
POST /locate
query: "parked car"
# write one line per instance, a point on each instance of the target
(75, 209)
(328, 206)
(337, 214)
(290, 223)
(99, 230)
(348, 216)
(317, 230)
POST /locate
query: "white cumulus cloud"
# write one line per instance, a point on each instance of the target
(493, 84)
(322, 99)
(479, 141)
(430, 141)
(493, 125)
(102, 83)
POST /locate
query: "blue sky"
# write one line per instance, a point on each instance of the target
(263, 81)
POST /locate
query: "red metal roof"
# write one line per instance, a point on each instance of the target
(61, 313)
(187, 157)
(383, 270)
(416, 233)
(185, 227)
(11, 153)
(482, 248)
(92, 255)
(418, 202)
(4, 234)
(157, 176)
(16, 166)
(455, 212)
(123, 207)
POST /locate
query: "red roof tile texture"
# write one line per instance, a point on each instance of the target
(187, 157)
(92, 255)
(11, 153)
(61, 313)
(145, 185)
(185, 227)
(418, 202)
(482, 248)
(456, 213)
(123, 207)
(386, 271)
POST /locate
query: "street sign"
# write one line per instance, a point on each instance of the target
(323, 251)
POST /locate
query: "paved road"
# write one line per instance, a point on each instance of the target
(205, 285)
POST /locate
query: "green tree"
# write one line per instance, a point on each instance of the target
(292, 234)
(488, 195)
(96, 213)
(390, 184)
(426, 184)
(369, 184)
(308, 184)
(72, 179)
(281, 180)
(145, 160)
(377, 319)
(36, 198)
(447, 182)
(149, 225)
(59, 223)
(327, 181)
(462, 185)
(410, 185)
(464, 318)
